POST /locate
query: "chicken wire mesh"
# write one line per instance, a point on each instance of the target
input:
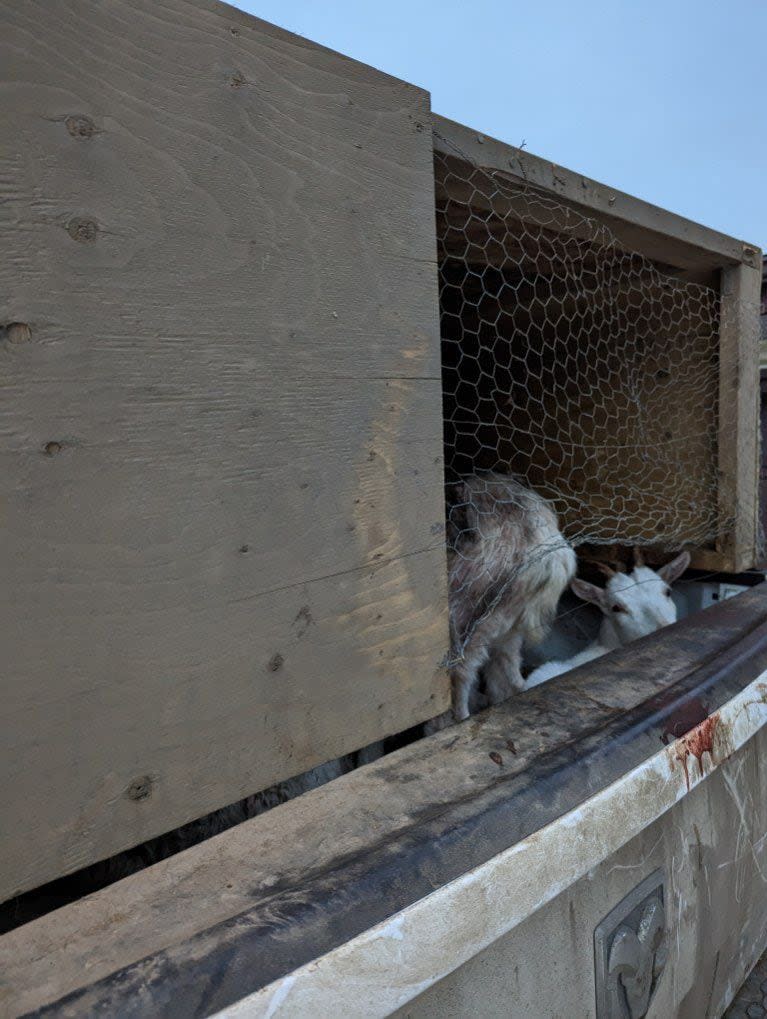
(578, 367)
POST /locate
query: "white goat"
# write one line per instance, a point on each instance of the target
(508, 567)
(633, 605)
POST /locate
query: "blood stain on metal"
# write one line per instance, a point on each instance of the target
(695, 744)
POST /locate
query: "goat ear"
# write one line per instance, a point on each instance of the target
(588, 592)
(605, 569)
(675, 568)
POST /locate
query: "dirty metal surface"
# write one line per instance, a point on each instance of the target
(711, 845)
(401, 828)
(631, 951)
(716, 930)
(751, 1000)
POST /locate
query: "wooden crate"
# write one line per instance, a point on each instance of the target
(222, 489)
(620, 453)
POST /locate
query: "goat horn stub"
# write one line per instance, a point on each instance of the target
(638, 556)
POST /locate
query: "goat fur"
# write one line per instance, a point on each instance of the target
(508, 567)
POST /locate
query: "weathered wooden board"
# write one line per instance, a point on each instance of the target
(657, 233)
(221, 477)
(739, 415)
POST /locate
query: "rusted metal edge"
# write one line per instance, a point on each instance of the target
(595, 743)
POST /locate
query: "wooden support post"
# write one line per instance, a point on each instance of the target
(739, 413)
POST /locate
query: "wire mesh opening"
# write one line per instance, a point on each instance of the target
(574, 365)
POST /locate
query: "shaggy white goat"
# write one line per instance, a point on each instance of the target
(633, 605)
(508, 567)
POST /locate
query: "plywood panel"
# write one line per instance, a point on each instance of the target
(221, 427)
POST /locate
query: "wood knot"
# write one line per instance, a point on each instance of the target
(80, 126)
(84, 231)
(140, 788)
(52, 448)
(18, 332)
(276, 662)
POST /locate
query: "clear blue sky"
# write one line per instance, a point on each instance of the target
(666, 100)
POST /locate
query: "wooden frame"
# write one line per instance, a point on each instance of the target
(692, 252)
(739, 401)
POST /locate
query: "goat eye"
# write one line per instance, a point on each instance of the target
(618, 608)
(668, 592)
